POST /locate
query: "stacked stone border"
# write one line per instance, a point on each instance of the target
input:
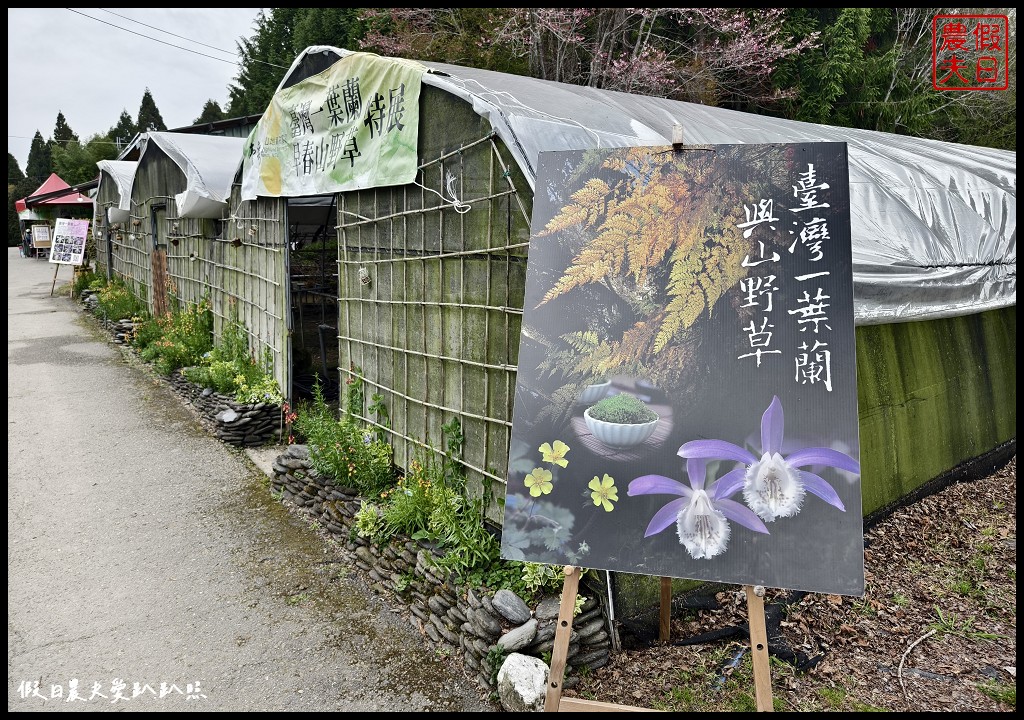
(472, 621)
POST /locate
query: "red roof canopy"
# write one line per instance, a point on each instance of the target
(53, 184)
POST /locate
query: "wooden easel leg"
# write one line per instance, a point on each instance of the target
(665, 614)
(759, 649)
(56, 267)
(563, 631)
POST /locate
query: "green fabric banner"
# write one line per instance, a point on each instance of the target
(352, 126)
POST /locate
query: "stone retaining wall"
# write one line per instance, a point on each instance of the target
(472, 621)
(241, 424)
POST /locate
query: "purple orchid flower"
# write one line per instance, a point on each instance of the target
(701, 515)
(774, 486)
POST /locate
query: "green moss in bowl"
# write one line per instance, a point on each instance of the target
(622, 409)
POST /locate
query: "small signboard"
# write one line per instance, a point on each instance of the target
(69, 242)
(686, 400)
(40, 237)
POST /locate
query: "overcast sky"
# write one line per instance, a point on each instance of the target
(59, 60)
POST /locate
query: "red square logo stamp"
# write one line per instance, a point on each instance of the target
(970, 52)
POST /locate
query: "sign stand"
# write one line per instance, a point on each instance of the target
(759, 648)
(56, 268)
(553, 702)
(665, 613)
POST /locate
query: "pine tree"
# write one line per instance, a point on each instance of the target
(14, 173)
(122, 133)
(16, 189)
(211, 113)
(40, 160)
(149, 117)
(62, 132)
(264, 58)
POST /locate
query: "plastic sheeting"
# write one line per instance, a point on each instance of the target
(122, 172)
(209, 163)
(934, 224)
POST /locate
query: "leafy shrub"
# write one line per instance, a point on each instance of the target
(231, 369)
(343, 450)
(407, 505)
(368, 521)
(538, 577)
(84, 281)
(116, 301)
(146, 331)
(185, 337)
(623, 409)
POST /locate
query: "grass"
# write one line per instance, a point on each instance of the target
(1000, 692)
(838, 700)
(953, 625)
(706, 686)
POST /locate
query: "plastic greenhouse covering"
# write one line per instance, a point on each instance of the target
(934, 224)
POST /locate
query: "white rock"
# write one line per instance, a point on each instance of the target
(522, 683)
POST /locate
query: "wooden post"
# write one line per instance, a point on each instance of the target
(759, 648)
(563, 631)
(553, 701)
(56, 267)
(665, 616)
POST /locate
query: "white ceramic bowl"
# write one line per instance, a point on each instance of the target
(592, 393)
(617, 435)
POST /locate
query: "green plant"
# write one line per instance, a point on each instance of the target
(116, 301)
(581, 600)
(231, 368)
(495, 658)
(354, 392)
(368, 521)
(186, 335)
(538, 577)
(348, 453)
(404, 581)
(622, 409)
(1000, 692)
(84, 280)
(379, 410)
(454, 440)
(953, 625)
(408, 504)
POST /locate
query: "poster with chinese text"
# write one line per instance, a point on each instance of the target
(69, 241)
(686, 401)
(355, 125)
(40, 237)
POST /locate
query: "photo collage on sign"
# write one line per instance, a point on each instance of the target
(68, 246)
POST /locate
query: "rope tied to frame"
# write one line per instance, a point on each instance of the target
(453, 199)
